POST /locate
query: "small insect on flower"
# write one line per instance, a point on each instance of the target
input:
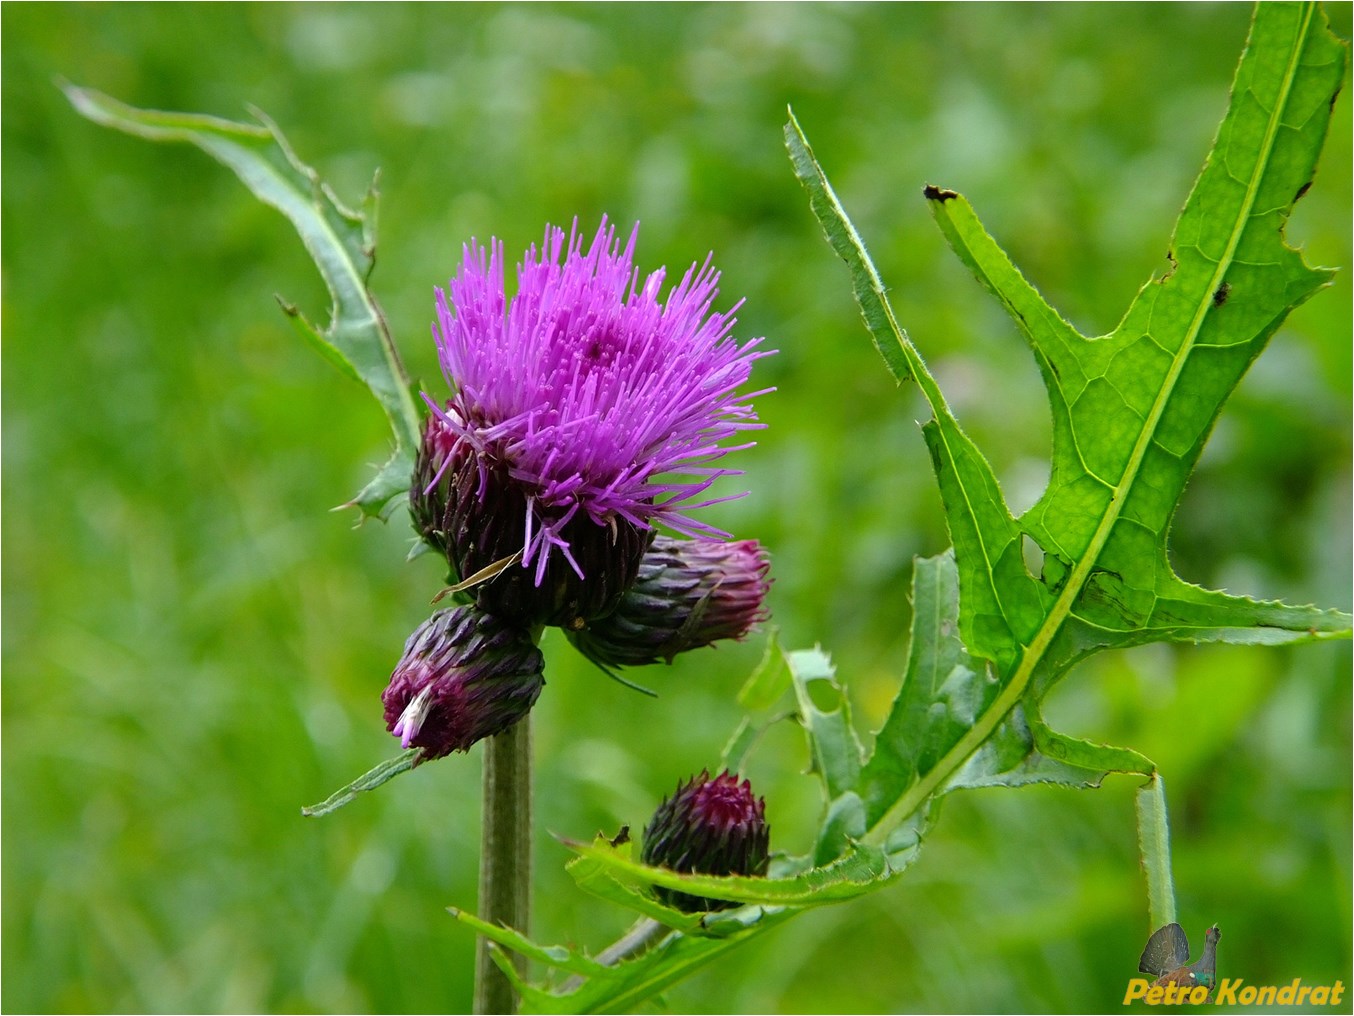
(587, 407)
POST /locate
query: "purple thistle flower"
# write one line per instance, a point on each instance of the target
(586, 409)
(709, 827)
(688, 594)
(464, 675)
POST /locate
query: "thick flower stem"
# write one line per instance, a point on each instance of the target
(505, 858)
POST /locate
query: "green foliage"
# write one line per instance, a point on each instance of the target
(1131, 412)
(340, 241)
(192, 648)
(1154, 844)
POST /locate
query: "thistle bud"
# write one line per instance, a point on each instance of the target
(709, 827)
(688, 593)
(464, 675)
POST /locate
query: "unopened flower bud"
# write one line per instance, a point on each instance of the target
(689, 593)
(464, 675)
(709, 827)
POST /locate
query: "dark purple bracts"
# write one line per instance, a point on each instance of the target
(710, 827)
(464, 675)
(688, 593)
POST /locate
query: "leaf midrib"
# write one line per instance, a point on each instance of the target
(1062, 606)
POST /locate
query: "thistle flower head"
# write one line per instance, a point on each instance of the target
(586, 409)
(464, 675)
(710, 827)
(687, 594)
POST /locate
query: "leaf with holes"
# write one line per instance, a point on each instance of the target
(1131, 413)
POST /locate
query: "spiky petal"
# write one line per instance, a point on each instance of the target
(464, 675)
(585, 399)
(709, 827)
(688, 593)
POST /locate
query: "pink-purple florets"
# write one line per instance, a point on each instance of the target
(589, 393)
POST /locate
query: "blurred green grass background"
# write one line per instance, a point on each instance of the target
(193, 647)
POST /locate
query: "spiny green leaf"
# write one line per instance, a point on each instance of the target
(944, 689)
(342, 243)
(1131, 412)
(1023, 750)
(554, 956)
(848, 876)
(836, 754)
(384, 772)
(834, 750)
(596, 877)
(943, 693)
(610, 988)
(769, 681)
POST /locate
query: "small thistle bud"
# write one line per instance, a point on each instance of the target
(464, 675)
(709, 827)
(688, 594)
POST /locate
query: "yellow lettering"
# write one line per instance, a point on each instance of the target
(1227, 990)
(1267, 994)
(1320, 995)
(1303, 992)
(1336, 992)
(1198, 994)
(1246, 996)
(1137, 987)
(1288, 992)
(1154, 994)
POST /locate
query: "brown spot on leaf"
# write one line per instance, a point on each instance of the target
(933, 193)
(1223, 292)
(1302, 190)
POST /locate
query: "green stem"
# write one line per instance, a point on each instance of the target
(505, 858)
(642, 934)
(1154, 844)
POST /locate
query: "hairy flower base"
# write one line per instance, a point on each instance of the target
(473, 513)
(709, 827)
(688, 594)
(431, 485)
(464, 675)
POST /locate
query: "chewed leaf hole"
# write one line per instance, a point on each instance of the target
(826, 695)
(1033, 554)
